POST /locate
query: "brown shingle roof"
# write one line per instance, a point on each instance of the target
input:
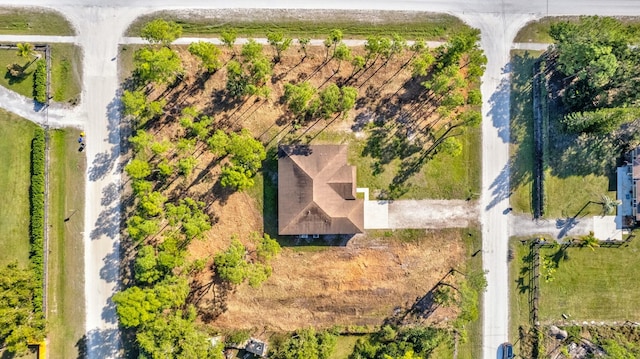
(317, 191)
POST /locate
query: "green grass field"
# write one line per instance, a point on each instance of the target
(344, 346)
(66, 75)
(518, 289)
(23, 21)
(66, 248)
(428, 26)
(599, 285)
(443, 177)
(15, 149)
(521, 126)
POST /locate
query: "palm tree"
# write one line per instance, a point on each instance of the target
(590, 241)
(608, 204)
(25, 50)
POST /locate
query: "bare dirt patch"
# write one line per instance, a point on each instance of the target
(362, 283)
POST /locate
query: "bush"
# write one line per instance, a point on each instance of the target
(36, 227)
(40, 82)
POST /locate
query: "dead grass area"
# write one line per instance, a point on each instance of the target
(368, 280)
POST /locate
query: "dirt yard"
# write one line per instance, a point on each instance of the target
(369, 279)
(362, 283)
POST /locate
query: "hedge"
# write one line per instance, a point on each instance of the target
(40, 82)
(36, 227)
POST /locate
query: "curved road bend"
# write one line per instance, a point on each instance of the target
(100, 27)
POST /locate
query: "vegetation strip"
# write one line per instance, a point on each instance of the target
(427, 26)
(36, 227)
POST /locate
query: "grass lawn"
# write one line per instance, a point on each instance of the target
(65, 73)
(566, 197)
(472, 347)
(521, 124)
(25, 21)
(15, 150)
(314, 24)
(344, 346)
(599, 285)
(443, 177)
(66, 248)
(518, 288)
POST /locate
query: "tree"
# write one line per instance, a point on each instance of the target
(25, 50)
(609, 205)
(138, 169)
(152, 204)
(228, 38)
(304, 43)
(372, 47)
(600, 121)
(235, 177)
(231, 265)
(422, 64)
(279, 42)
(146, 266)
(251, 50)
(136, 306)
(134, 103)
(335, 36)
(218, 143)
(267, 248)
(329, 100)
(306, 344)
(140, 228)
(157, 65)
(20, 322)
(358, 63)
(161, 31)
(297, 97)
(237, 80)
(160, 147)
(589, 241)
(173, 336)
(208, 54)
(348, 101)
(341, 53)
(246, 152)
(186, 165)
(189, 216)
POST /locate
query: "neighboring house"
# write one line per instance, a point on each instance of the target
(317, 191)
(629, 189)
(256, 347)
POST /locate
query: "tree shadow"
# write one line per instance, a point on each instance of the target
(500, 189)
(111, 265)
(108, 222)
(100, 343)
(499, 110)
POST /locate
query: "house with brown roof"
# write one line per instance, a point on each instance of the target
(317, 191)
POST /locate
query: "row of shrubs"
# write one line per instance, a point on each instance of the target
(40, 82)
(36, 228)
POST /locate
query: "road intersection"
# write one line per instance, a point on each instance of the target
(100, 26)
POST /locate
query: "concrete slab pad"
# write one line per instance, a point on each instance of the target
(607, 228)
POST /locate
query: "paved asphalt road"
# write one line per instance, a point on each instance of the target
(100, 25)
